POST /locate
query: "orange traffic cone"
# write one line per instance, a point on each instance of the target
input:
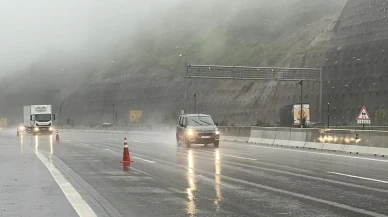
(17, 132)
(126, 157)
(57, 137)
(126, 167)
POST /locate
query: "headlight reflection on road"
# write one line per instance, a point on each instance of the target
(51, 145)
(21, 143)
(217, 178)
(192, 186)
(36, 143)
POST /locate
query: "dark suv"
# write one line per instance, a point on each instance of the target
(197, 129)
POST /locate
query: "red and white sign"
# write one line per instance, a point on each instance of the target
(363, 117)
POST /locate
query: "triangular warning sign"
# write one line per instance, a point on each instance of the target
(364, 115)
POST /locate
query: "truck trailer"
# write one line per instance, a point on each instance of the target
(38, 119)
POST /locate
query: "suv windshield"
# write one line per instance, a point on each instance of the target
(200, 121)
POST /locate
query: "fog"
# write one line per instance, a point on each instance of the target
(30, 28)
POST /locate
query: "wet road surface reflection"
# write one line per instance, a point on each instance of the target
(35, 140)
(192, 181)
(217, 178)
(192, 184)
(21, 143)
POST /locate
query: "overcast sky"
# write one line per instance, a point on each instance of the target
(28, 28)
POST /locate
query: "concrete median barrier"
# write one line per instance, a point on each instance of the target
(223, 133)
(244, 134)
(232, 135)
(314, 139)
(282, 136)
(297, 137)
(334, 140)
(268, 136)
(256, 135)
(378, 143)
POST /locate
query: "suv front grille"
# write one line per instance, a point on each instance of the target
(205, 134)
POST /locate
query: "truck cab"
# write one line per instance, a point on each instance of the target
(38, 119)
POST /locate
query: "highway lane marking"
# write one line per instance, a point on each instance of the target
(149, 161)
(140, 142)
(336, 155)
(75, 199)
(212, 180)
(244, 158)
(358, 177)
(108, 149)
(273, 189)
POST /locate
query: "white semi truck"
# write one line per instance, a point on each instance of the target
(38, 119)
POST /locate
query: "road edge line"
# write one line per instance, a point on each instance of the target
(75, 199)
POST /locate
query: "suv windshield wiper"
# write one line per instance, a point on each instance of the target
(197, 122)
(205, 122)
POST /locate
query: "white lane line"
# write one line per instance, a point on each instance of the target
(358, 177)
(327, 154)
(244, 158)
(110, 138)
(116, 139)
(140, 142)
(108, 149)
(149, 161)
(75, 199)
(214, 181)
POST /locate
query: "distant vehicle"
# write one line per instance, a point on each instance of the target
(38, 119)
(21, 127)
(197, 129)
(3, 123)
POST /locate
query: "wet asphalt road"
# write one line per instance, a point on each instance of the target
(237, 179)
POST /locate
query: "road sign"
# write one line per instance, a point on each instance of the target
(363, 117)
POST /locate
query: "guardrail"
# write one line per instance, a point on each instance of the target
(352, 141)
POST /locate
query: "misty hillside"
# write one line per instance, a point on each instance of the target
(247, 32)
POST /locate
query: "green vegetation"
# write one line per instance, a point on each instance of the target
(380, 118)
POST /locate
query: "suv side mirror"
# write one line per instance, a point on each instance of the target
(54, 116)
(30, 117)
(216, 123)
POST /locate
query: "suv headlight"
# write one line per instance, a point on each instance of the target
(217, 132)
(190, 132)
(51, 128)
(36, 129)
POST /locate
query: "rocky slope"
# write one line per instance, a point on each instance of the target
(146, 71)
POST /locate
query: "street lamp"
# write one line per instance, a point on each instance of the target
(301, 103)
(195, 103)
(187, 69)
(113, 119)
(328, 115)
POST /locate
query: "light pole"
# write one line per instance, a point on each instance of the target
(301, 103)
(195, 103)
(187, 69)
(328, 115)
(113, 119)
